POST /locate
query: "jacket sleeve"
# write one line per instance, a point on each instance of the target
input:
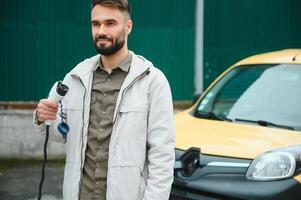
(160, 140)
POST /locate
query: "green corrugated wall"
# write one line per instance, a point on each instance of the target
(41, 40)
(235, 29)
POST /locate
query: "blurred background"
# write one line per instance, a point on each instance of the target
(191, 41)
(42, 40)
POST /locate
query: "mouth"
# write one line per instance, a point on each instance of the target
(103, 40)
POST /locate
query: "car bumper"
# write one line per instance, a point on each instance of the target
(225, 183)
(235, 187)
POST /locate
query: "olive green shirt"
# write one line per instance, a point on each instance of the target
(105, 89)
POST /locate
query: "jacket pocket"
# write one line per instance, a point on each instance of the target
(131, 134)
(74, 136)
(139, 111)
(73, 101)
(125, 181)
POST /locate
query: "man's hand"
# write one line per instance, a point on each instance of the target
(46, 110)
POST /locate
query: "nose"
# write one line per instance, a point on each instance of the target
(101, 30)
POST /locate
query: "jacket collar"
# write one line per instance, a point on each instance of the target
(138, 66)
(84, 70)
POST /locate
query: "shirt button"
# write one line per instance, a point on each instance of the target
(97, 182)
(103, 112)
(101, 130)
(104, 94)
(108, 79)
(99, 137)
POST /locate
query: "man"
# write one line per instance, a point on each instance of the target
(119, 110)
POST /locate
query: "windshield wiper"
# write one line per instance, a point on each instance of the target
(212, 115)
(265, 123)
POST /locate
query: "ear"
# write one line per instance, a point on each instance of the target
(129, 26)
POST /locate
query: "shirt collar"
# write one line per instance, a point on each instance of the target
(124, 65)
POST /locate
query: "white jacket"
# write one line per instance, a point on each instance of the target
(141, 151)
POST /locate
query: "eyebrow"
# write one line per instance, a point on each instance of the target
(111, 20)
(106, 20)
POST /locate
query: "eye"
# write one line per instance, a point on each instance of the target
(95, 24)
(110, 23)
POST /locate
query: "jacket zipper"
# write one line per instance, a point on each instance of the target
(81, 151)
(118, 109)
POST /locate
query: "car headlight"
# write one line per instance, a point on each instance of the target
(275, 165)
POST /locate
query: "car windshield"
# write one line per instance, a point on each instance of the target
(267, 95)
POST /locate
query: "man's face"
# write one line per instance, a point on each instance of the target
(110, 29)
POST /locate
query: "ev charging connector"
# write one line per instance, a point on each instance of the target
(57, 93)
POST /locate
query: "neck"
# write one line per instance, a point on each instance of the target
(112, 61)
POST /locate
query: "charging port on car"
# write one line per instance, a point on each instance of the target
(188, 162)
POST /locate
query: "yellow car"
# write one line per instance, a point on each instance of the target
(242, 138)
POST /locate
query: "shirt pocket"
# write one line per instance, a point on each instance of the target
(94, 97)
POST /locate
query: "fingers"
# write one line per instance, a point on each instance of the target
(46, 110)
(48, 104)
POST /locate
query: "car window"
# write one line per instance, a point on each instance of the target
(259, 92)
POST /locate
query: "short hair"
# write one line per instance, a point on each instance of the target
(122, 5)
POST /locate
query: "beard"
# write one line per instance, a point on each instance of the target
(115, 46)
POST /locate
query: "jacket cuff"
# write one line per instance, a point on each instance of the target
(37, 124)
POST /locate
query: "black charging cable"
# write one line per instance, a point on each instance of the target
(44, 162)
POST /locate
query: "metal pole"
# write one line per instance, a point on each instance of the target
(199, 47)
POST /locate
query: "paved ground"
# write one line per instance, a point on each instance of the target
(23, 183)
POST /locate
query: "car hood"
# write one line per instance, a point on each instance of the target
(230, 139)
